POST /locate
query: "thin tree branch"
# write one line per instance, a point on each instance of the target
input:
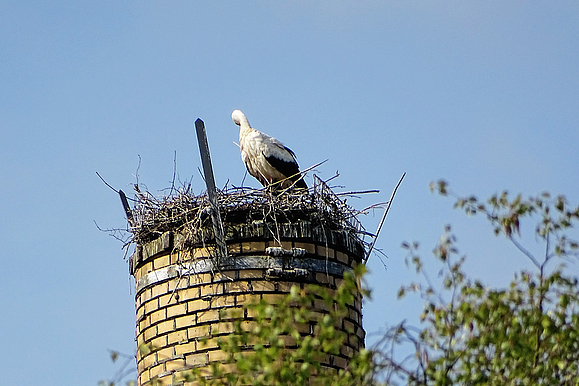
(525, 252)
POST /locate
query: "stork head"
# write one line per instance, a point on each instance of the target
(239, 118)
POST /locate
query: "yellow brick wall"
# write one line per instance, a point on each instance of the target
(175, 316)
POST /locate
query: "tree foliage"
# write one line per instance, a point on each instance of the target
(526, 333)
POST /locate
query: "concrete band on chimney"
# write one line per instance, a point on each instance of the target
(180, 294)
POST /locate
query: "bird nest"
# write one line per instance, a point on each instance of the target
(189, 215)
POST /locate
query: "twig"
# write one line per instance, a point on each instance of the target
(383, 218)
(357, 192)
(137, 171)
(331, 178)
(106, 183)
(174, 172)
(374, 206)
(300, 173)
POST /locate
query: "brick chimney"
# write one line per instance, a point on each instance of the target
(180, 290)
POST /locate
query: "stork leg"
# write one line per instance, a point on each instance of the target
(269, 188)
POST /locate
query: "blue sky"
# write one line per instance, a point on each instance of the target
(482, 94)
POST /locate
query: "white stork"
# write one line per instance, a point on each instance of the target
(266, 158)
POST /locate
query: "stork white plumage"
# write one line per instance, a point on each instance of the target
(266, 158)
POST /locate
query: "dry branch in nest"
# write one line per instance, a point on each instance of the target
(188, 215)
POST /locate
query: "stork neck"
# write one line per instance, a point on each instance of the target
(245, 128)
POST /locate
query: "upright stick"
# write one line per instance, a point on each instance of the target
(211, 190)
(126, 207)
(383, 218)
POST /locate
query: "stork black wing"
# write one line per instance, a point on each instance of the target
(287, 169)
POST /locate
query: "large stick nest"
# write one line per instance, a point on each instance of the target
(183, 212)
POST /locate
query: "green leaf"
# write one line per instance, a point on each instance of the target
(401, 292)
